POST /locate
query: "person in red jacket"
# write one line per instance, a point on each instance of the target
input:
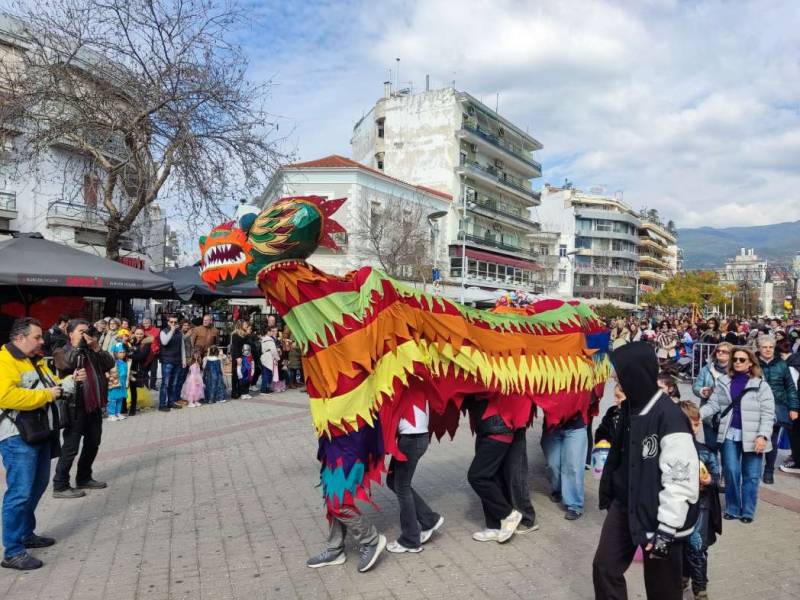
(150, 363)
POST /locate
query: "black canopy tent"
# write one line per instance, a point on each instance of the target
(32, 268)
(189, 286)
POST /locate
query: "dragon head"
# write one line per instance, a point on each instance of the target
(292, 228)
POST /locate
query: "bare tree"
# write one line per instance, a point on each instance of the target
(151, 92)
(395, 231)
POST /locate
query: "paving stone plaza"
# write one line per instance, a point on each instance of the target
(220, 503)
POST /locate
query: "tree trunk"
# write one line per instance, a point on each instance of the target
(113, 242)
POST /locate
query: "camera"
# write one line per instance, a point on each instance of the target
(90, 331)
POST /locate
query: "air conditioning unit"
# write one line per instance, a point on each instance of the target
(473, 148)
(498, 163)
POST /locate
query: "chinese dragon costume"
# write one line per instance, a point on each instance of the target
(373, 348)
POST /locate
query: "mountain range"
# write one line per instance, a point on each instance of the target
(707, 247)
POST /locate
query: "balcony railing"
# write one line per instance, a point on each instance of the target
(8, 201)
(491, 204)
(493, 243)
(499, 177)
(598, 270)
(90, 215)
(513, 149)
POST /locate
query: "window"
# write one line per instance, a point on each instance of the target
(602, 225)
(380, 122)
(472, 267)
(544, 250)
(562, 250)
(455, 267)
(379, 160)
(482, 269)
(562, 276)
(492, 270)
(583, 243)
(90, 186)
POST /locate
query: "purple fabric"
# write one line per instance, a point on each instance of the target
(361, 446)
(738, 383)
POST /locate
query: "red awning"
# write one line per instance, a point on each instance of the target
(496, 258)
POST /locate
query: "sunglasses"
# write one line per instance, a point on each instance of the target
(740, 359)
(723, 351)
(171, 321)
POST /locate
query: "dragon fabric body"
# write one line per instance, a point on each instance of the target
(374, 348)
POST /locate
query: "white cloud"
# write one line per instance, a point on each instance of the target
(691, 108)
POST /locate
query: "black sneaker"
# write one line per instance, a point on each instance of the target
(571, 515)
(555, 497)
(768, 478)
(175, 405)
(163, 408)
(68, 492)
(92, 485)
(746, 520)
(370, 554)
(22, 562)
(327, 558)
(38, 541)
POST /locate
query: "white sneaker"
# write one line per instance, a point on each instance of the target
(223, 401)
(509, 525)
(112, 418)
(121, 417)
(426, 534)
(487, 535)
(397, 548)
(246, 396)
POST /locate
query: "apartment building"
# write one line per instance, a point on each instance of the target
(370, 194)
(598, 244)
(450, 141)
(58, 196)
(750, 274)
(658, 252)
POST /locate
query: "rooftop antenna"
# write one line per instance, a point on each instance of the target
(497, 102)
(397, 73)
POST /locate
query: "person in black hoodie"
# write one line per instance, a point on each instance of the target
(792, 464)
(650, 484)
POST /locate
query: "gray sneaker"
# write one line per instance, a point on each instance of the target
(370, 554)
(68, 492)
(327, 558)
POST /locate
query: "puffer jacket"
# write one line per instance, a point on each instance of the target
(777, 375)
(758, 411)
(707, 377)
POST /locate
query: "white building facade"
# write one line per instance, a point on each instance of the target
(449, 141)
(749, 273)
(598, 247)
(366, 190)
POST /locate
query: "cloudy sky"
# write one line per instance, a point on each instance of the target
(687, 107)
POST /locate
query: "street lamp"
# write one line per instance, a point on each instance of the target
(432, 218)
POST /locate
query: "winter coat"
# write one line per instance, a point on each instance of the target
(609, 425)
(777, 375)
(707, 377)
(757, 406)
(269, 352)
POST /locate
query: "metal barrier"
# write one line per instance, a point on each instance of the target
(700, 355)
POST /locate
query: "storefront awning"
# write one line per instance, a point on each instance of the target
(499, 259)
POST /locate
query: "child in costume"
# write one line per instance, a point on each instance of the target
(244, 371)
(709, 519)
(118, 383)
(193, 388)
(213, 378)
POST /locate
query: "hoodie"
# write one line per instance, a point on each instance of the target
(652, 469)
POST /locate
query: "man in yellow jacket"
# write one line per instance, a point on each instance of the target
(27, 466)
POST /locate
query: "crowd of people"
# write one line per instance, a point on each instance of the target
(666, 461)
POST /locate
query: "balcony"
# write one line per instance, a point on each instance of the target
(502, 180)
(653, 261)
(490, 207)
(607, 235)
(493, 244)
(607, 214)
(626, 254)
(523, 161)
(79, 216)
(8, 205)
(648, 275)
(598, 291)
(598, 270)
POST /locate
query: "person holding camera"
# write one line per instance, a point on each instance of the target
(28, 437)
(172, 354)
(82, 357)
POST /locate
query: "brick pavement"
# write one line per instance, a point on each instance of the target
(219, 503)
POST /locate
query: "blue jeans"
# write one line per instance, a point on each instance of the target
(565, 451)
(115, 406)
(182, 375)
(742, 476)
(27, 475)
(170, 376)
(266, 381)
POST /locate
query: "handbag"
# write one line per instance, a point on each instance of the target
(34, 425)
(716, 419)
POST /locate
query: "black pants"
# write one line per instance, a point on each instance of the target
(485, 475)
(235, 391)
(132, 403)
(415, 514)
(772, 455)
(90, 428)
(151, 374)
(662, 577)
(515, 478)
(794, 440)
